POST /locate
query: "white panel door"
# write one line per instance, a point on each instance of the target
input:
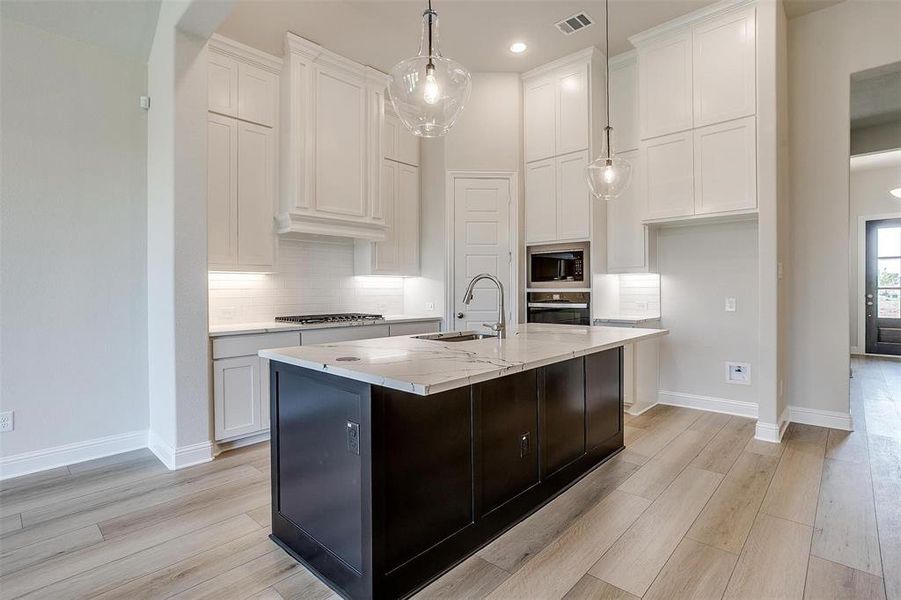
(669, 176)
(340, 139)
(481, 245)
(407, 219)
(573, 197)
(222, 190)
(539, 118)
(626, 234)
(541, 201)
(256, 196)
(664, 90)
(222, 84)
(724, 68)
(257, 91)
(572, 109)
(725, 165)
(624, 105)
(385, 253)
(236, 396)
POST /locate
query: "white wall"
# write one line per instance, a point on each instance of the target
(824, 48)
(869, 197)
(700, 266)
(310, 277)
(74, 313)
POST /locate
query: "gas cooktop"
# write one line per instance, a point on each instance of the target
(330, 318)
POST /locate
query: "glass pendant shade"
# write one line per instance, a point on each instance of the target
(608, 177)
(428, 91)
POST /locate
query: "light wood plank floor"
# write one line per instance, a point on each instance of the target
(694, 508)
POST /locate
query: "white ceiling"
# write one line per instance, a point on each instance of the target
(476, 33)
(876, 96)
(124, 26)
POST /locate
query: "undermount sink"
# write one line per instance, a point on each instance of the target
(455, 336)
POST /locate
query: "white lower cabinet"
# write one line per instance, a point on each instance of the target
(237, 389)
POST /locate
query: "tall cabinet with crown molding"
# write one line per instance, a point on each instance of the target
(242, 86)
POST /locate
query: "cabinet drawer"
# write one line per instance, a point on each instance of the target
(343, 334)
(246, 345)
(414, 328)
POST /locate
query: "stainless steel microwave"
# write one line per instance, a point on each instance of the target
(559, 266)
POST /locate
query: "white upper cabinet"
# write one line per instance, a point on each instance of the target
(399, 144)
(241, 156)
(624, 102)
(665, 81)
(222, 84)
(398, 253)
(572, 109)
(669, 176)
(222, 190)
(541, 201)
(725, 164)
(573, 197)
(331, 144)
(725, 68)
(626, 234)
(340, 152)
(539, 118)
(257, 93)
(256, 196)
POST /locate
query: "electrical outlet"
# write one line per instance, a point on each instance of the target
(6, 421)
(430, 306)
(730, 305)
(739, 373)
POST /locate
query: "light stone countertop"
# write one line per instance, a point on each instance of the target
(275, 326)
(426, 366)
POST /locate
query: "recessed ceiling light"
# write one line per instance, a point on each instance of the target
(896, 192)
(518, 47)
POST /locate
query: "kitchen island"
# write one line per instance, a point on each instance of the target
(394, 459)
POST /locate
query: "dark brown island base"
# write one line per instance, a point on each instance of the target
(380, 491)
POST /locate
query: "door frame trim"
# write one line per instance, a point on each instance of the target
(861, 347)
(512, 178)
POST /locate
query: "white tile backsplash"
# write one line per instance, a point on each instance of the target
(310, 277)
(639, 293)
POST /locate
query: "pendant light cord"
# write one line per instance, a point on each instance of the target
(431, 14)
(607, 129)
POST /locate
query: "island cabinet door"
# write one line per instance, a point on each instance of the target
(506, 428)
(422, 452)
(603, 396)
(563, 414)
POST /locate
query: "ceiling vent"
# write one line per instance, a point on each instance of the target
(572, 24)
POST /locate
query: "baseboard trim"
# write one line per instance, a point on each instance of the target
(250, 440)
(820, 418)
(635, 410)
(179, 458)
(69, 454)
(708, 403)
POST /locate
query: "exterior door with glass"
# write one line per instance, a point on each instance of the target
(883, 287)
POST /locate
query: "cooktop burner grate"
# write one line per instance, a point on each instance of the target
(329, 318)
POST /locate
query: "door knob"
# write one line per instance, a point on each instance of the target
(459, 315)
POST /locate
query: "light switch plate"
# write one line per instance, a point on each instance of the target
(730, 305)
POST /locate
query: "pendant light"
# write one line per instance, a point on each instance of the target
(428, 91)
(608, 176)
